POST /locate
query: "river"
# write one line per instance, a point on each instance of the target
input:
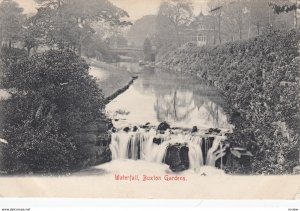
(195, 133)
(158, 96)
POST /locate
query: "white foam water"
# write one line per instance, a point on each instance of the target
(140, 145)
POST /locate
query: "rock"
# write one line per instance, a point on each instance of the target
(109, 124)
(236, 165)
(104, 139)
(126, 129)
(177, 157)
(146, 126)
(113, 129)
(178, 168)
(194, 129)
(296, 170)
(157, 141)
(103, 155)
(135, 128)
(214, 130)
(163, 126)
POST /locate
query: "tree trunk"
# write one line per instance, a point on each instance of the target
(79, 50)
(220, 40)
(1, 37)
(28, 51)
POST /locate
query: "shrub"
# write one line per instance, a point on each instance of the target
(250, 74)
(53, 97)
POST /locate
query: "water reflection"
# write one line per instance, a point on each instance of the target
(180, 100)
(175, 106)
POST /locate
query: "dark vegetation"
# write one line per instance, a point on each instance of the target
(260, 81)
(54, 121)
(53, 98)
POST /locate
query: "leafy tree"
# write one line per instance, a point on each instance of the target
(259, 17)
(67, 23)
(247, 18)
(53, 98)
(10, 22)
(172, 16)
(31, 35)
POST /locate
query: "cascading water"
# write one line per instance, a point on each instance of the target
(191, 109)
(151, 145)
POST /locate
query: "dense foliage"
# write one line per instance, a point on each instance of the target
(260, 80)
(53, 97)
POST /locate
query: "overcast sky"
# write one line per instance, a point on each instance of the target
(135, 8)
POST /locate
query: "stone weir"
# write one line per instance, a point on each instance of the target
(179, 148)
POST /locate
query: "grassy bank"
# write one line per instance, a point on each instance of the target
(260, 80)
(110, 78)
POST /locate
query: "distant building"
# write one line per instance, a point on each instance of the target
(201, 31)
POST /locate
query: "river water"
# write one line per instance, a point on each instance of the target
(181, 101)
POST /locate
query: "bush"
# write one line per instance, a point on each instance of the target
(251, 74)
(53, 97)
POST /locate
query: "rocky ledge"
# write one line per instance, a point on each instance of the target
(95, 139)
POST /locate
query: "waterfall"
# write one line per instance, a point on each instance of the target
(203, 149)
(195, 152)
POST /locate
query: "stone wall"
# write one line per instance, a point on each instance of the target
(94, 140)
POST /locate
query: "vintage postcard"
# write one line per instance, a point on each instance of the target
(150, 99)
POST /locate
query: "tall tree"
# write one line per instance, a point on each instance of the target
(234, 16)
(173, 16)
(147, 48)
(260, 16)
(67, 23)
(31, 34)
(11, 18)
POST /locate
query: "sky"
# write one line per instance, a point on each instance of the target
(135, 8)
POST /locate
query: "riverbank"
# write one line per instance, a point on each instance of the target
(113, 80)
(260, 80)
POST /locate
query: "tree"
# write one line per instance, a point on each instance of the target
(67, 23)
(53, 98)
(286, 6)
(147, 49)
(234, 17)
(31, 35)
(141, 29)
(259, 15)
(173, 16)
(11, 21)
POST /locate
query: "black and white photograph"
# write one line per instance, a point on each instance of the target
(160, 99)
